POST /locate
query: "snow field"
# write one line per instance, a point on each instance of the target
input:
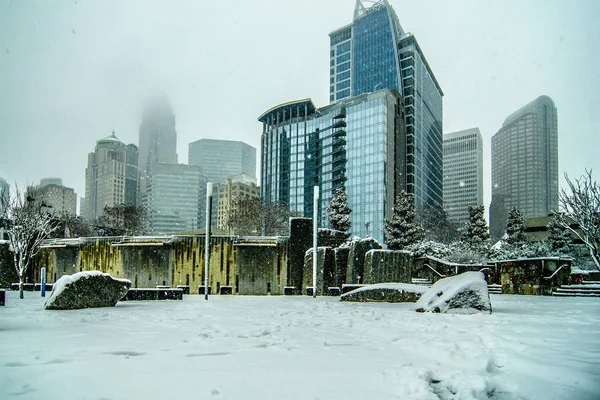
(243, 347)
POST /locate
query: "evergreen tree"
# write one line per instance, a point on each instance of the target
(515, 227)
(559, 239)
(339, 211)
(437, 226)
(401, 230)
(476, 230)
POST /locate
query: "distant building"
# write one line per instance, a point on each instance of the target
(56, 199)
(373, 53)
(158, 139)
(220, 159)
(463, 174)
(50, 181)
(359, 143)
(175, 197)
(228, 192)
(110, 177)
(4, 192)
(525, 164)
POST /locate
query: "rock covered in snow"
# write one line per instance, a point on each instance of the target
(86, 290)
(386, 292)
(466, 293)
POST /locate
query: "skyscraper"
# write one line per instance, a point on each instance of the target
(57, 198)
(220, 159)
(237, 186)
(4, 193)
(463, 173)
(525, 164)
(111, 176)
(175, 197)
(374, 52)
(358, 143)
(158, 139)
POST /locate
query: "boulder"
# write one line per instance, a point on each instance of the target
(385, 292)
(86, 290)
(461, 294)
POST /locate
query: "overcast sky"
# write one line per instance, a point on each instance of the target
(69, 71)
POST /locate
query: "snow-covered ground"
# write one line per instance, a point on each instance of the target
(238, 347)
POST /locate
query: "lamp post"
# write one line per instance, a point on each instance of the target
(315, 232)
(209, 186)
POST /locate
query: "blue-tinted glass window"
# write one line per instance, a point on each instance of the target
(342, 85)
(342, 76)
(343, 58)
(343, 67)
(343, 48)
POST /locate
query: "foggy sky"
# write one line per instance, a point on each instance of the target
(70, 71)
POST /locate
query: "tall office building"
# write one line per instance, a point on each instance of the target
(111, 176)
(525, 164)
(175, 196)
(57, 199)
(236, 187)
(51, 181)
(4, 193)
(158, 139)
(220, 159)
(463, 174)
(374, 52)
(358, 143)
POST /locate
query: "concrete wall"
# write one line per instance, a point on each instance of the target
(388, 266)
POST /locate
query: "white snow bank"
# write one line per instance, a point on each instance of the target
(66, 280)
(297, 347)
(407, 287)
(466, 293)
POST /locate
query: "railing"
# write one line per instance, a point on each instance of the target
(434, 270)
(556, 272)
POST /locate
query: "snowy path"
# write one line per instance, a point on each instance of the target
(239, 347)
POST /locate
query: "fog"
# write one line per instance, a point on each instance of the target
(71, 71)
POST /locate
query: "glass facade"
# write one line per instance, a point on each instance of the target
(525, 164)
(382, 56)
(175, 197)
(463, 174)
(357, 143)
(220, 159)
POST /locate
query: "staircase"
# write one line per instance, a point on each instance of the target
(494, 288)
(585, 289)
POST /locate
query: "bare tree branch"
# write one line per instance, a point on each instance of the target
(28, 226)
(582, 206)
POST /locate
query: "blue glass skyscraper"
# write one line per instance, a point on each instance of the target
(374, 53)
(357, 143)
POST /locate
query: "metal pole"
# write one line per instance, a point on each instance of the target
(43, 284)
(209, 186)
(315, 232)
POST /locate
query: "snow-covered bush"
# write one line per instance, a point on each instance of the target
(431, 248)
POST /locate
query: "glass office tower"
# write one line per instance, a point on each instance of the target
(525, 164)
(374, 53)
(463, 174)
(358, 143)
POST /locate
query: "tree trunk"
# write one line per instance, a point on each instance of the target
(21, 285)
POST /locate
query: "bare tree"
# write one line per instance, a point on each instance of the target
(123, 219)
(582, 206)
(250, 216)
(28, 225)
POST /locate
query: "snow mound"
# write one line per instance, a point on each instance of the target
(385, 292)
(466, 293)
(87, 289)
